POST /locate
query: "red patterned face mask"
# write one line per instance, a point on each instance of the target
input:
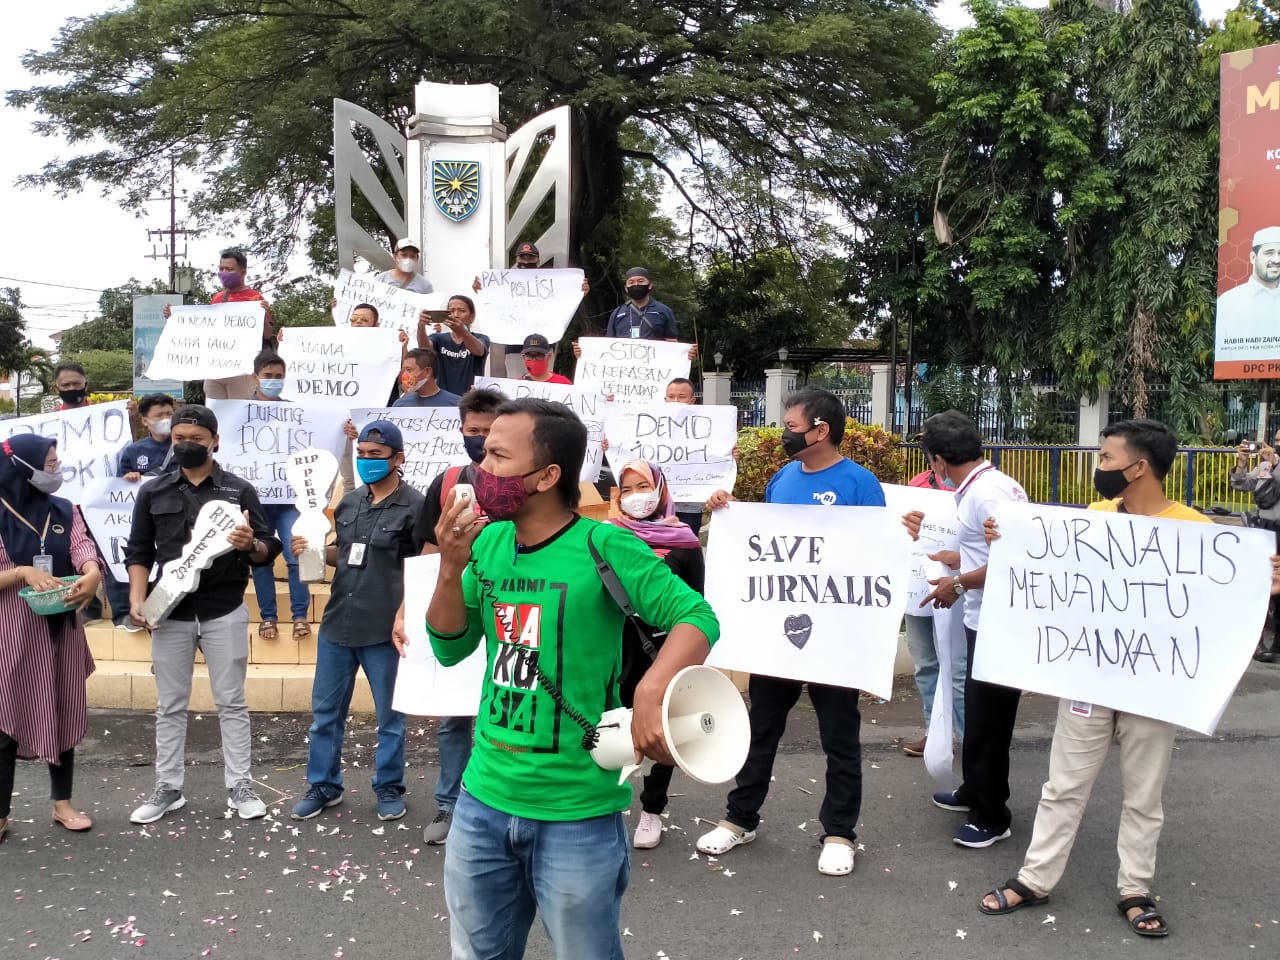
(501, 497)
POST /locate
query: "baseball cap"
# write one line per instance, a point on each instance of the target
(407, 242)
(1266, 235)
(637, 272)
(382, 431)
(196, 414)
(535, 343)
(527, 248)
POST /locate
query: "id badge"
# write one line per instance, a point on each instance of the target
(355, 556)
(1081, 709)
(635, 333)
(43, 562)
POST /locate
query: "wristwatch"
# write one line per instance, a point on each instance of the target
(959, 587)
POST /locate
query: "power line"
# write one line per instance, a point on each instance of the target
(63, 286)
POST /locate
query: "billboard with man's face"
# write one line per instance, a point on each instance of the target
(1247, 328)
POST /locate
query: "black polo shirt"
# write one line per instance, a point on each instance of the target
(163, 515)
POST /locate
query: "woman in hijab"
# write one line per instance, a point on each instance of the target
(44, 660)
(649, 512)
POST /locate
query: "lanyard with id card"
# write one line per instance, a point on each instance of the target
(356, 553)
(42, 561)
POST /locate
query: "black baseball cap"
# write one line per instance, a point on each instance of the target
(535, 343)
(196, 414)
(526, 249)
(637, 272)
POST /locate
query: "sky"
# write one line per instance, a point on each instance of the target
(61, 252)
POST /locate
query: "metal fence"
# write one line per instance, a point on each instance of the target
(1200, 476)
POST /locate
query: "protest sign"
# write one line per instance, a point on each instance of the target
(424, 687)
(432, 439)
(311, 473)
(1152, 617)
(809, 593)
(257, 437)
(350, 366)
(148, 323)
(89, 441)
(210, 539)
(588, 405)
(939, 531)
(515, 303)
(693, 445)
(397, 309)
(630, 370)
(215, 341)
(107, 506)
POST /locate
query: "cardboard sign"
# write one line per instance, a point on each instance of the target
(344, 366)
(424, 687)
(107, 506)
(89, 441)
(181, 576)
(630, 371)
(432, 439)
(693, 445)
(809, 593)
(397, 309)
(1153, 617)
(215, 341)
(940, 530)
(257, 437)
(589, 406)
(515, 303)
(311, 473)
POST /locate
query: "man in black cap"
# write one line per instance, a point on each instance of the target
(536, 354)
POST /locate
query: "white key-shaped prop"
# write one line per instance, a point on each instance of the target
(181, 576)
(311, 473)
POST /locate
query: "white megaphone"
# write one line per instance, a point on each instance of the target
(704, 722)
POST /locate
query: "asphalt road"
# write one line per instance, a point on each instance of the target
(198, 884)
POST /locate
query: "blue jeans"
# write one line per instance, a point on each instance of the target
(280, 518)
(454, 737)
(335, 680)
(500, 870)
(924, 653)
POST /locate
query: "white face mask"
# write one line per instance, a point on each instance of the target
(640, 505)
(46, 481)
(407, 264)
(161, 428)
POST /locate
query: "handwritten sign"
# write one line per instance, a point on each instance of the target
(809, 593)
(148, 323)
(1153, 617)
(311, 473)
(587, 404)
(89, 441)
(940, 530)
(630, 370)
(350, 366)
(181, 576)
(424, 687)
(397, 309)
(257, 437)
(515, 303)
(693, 445)
(432, 439)
(215, 341)
(107, 506)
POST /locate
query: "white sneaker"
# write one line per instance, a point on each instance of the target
(836, 859)
(648, 831)
(724, 838)
(244, 800)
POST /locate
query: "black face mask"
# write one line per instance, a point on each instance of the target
(793, 443)
(73, 397)
(639, 291)
(190, 454)
(1111, 483)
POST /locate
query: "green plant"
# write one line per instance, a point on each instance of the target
(760, 456)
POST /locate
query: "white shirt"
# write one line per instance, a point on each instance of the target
(1248, 326)
(976, 499)
(415, 284)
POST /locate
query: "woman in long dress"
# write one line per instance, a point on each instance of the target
(44, 660)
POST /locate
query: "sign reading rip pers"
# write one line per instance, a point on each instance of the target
(89, 441)
(215, 341)
(630, 370)
(1152, 617)
(256, 439)
(590, 407)
(181, 575)
(693, 445)
(809, 593)
(432, 439)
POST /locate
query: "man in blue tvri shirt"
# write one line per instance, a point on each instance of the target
(817, 475)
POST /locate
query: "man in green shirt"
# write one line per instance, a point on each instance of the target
(538, 826)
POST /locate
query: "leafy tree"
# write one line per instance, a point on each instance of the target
(108, 371)
(14, 347)
(302, 303)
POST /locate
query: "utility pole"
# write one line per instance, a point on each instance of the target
(171, 254)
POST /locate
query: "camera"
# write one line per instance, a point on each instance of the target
(1251, 446)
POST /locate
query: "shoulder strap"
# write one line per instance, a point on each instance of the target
(450, 480)
(613, 586)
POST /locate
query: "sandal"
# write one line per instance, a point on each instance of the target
(1149, 914)
(724, 838)
(301, 629)
(1029, 898)
(267, 630)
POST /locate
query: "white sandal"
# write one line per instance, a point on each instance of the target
(836, 859)
(724, 838)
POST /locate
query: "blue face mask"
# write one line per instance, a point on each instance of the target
(372, 469)
(271, 388)
(475, 447)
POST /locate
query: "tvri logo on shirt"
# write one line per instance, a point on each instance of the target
(825, 497)
(515, 666)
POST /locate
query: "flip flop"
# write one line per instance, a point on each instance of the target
(1029, 898)
(1149, 914)
(301, 629)
(267, 630)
